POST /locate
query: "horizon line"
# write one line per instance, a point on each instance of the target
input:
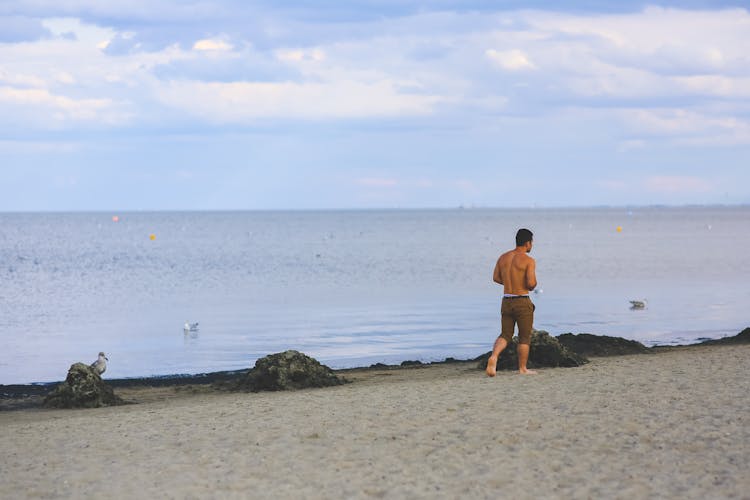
(375, 209)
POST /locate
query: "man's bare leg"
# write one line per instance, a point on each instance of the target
(500, 345)
(523, 357)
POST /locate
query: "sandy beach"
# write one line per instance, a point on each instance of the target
(673, 424)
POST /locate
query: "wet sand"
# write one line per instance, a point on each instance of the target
(673, 424)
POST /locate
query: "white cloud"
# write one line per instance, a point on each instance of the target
(654, 35)
(209, 45)
(299, 55)
(65, 78)
(511, 60)
(637, 56)
(715, 85)
(50, 110)
(428, 64)
(20, 80)
(244, 102)
(85, 33)
(689, 127)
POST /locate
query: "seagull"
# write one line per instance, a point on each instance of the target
(190, 327)
(100, 365)
(638, 304)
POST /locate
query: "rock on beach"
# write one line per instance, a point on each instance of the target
(83, 388)
(587, 344)
(288, 370)
(545, 352)
(741, 338)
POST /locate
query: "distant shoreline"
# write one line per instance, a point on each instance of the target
(370, 209)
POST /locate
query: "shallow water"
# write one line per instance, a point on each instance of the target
(350, 287)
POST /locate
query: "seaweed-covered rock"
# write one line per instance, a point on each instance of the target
(288, 370)
(545, 351)
(83, 388)
(587, 344)
(741, 338)
(410, 362)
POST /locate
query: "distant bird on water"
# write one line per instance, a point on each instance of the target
(638, 304)
(100, 365)
(190, 327)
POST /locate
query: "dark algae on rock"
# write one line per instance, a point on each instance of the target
(83, 388)
(587, 344)
(288, 370)
(741, 338)
(545, 352)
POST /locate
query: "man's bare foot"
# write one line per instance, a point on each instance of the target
(527, 372)
(491, 367)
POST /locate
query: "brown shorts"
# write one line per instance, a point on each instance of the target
(517, 310)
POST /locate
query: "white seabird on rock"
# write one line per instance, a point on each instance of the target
(100, 365)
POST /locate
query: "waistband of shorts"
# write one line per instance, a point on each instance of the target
(511, 297)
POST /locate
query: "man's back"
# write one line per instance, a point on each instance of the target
(515, 270)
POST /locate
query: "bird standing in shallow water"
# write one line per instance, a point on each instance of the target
(638, 304)
(100, 365)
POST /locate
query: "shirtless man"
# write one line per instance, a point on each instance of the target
(516, 271)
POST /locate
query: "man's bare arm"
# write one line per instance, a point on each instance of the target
(531, 275)
(497, 275)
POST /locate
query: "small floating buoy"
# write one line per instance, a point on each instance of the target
(115, 218)
(619, 229)
(152, 237)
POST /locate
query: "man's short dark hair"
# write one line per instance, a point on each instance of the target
(523, 236)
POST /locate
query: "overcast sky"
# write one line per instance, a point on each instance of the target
(234, 104)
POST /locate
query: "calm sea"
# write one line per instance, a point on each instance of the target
(350, 288)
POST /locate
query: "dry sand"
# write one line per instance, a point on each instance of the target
(670, 425)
